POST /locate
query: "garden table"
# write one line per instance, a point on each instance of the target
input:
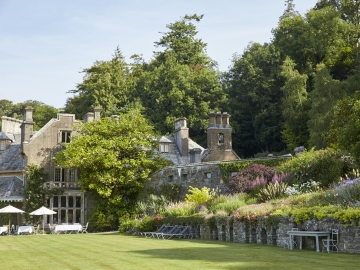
(3, 229)
(26, 229)
(315, 234)
(68, 227)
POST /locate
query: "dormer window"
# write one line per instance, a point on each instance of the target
(4, 141)
(164, 147)
(65, 136)
(220, 138)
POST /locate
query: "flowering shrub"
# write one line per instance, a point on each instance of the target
(323, 166)
(306, 187)
(346, 194)
(250, 213)
(180, 209)
(253, 176)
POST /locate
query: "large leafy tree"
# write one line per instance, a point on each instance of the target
(108, 84)
(180, 81)
(319, 36)
(326, 93)
(253, 85)
(345, 127)
(295, 105)
(115, 157)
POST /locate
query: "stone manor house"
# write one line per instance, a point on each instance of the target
(20, 146)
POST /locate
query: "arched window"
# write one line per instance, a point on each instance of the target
(220, 138)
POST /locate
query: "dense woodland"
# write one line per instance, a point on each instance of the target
(301, 88)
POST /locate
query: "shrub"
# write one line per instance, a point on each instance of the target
(306, 187)
(250, 213)
(198, 196)
(250, 177)
(180, 209)
(127, 225)
(323, 166)
(228, 206)
(347, 194)
(146, 225)
(272, 191)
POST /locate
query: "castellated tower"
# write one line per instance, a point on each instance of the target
(219, 142)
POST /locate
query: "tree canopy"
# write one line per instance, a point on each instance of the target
(115, 156)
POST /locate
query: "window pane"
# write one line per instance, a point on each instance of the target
(57, 174)
(78, 201)
(71, 201)
(55, 217)
(55, 201)
(63, 201)
(78, 216)
(63, 216)
(72, 175)
(70, 216)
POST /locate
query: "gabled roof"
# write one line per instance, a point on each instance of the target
(174, 155)
(4, 136)
(11, 188)
(10, 158)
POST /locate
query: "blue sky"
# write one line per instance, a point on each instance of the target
(45, 44)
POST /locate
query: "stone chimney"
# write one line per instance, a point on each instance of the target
(88, 117)
(10, 125)
(27, 126)
(181, 135)
(225, 119)
(219, 141)
(211, 118)
(218, 118)
(97, 111)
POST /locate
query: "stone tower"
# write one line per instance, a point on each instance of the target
(219, 142)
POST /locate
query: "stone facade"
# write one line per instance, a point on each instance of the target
(196, 175)
(24, 147)
(229, 229)
(40, 148)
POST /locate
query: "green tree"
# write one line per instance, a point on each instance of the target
(294, 105)
(253, 86)
(320, 36)
(108, 84)
(345, 128)
(180, 81)
(42, 113)
(115, 158)
(35, 194)
(326, 93)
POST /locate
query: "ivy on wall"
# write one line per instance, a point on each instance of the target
(35, 193)
(226, 168)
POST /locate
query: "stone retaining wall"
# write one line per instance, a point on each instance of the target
(230, 229)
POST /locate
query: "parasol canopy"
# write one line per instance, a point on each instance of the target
(10, 209)
(42, 211)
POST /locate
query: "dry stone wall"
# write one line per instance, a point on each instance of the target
(233, 230)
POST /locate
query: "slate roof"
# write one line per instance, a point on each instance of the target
(10, 159)
(11, 188)
(174, 154)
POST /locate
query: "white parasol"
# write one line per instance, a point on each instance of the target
(42, 211)
(10, 209)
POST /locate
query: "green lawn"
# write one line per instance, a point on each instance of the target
(116, 251)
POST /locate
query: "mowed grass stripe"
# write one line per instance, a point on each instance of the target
(116, 251)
